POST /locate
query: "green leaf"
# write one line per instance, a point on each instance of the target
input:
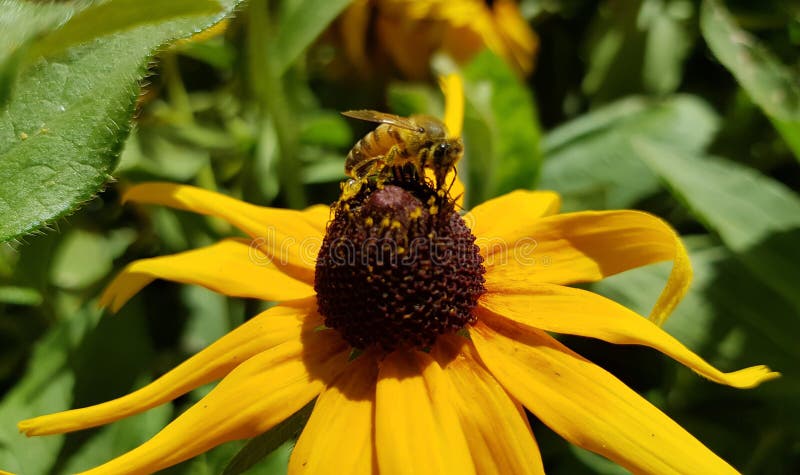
(502, 133)
(756, 217)
(590, 161)
(406, 98)
(61, 132)
(93, 22)
(120, 437)
(771, 85)
(83, 360)
(301, 23)
(81, 259)
(626, 47)
(326, 129)
(21, 23)
(259, 447)
(20, 295)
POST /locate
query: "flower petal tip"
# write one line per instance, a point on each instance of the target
(751, 377)
(28, 427)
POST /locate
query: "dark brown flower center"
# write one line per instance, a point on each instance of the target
(398, 267)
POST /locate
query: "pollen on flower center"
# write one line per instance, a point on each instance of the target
(398, 267)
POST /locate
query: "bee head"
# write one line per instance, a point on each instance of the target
(447, 152)
(445, 156)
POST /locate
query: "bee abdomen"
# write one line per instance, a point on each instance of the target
(375, 144)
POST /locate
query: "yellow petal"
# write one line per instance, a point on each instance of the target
(253, 398)
(453, 88)
(499, 438)
(494, 220)
(517, 34)
(586, 247)
(263, 332)
(354, 29)
(341, 430)
(416, 427)
(291, 238)
(587, 405)
(457, 188)
(408, 44)
(554, 308)
(231, 267)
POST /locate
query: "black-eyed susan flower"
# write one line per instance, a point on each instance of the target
(409, 32)
(451, 315)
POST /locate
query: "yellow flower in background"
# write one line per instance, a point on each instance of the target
(409, 32)
(450, 316)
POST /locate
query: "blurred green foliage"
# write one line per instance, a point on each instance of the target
(689, 109)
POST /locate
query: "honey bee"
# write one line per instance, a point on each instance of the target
(420, 140)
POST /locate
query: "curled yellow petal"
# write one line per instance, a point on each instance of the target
(588, 406)
(233, 267)
(346, 406)
(560, 309)
(261, 333)
(253, 398)
(499, 438)
(291, 238)
(416, 428)
(586, 247)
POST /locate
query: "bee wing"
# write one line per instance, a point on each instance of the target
(382, 118)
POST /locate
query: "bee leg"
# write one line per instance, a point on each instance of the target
(453, 181)
(366, 167)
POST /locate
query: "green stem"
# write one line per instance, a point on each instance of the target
(267, 87)
(177, 92)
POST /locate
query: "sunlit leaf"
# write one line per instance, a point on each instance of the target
(755, 216)
(590, 161)
(771, 85)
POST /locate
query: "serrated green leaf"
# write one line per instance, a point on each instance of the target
(61, 132)
(301, 22)
(21, 23)
(771, 85)
(589, 160)
(93, 22)
(756, 217)
(259, 447)
(502, 134)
